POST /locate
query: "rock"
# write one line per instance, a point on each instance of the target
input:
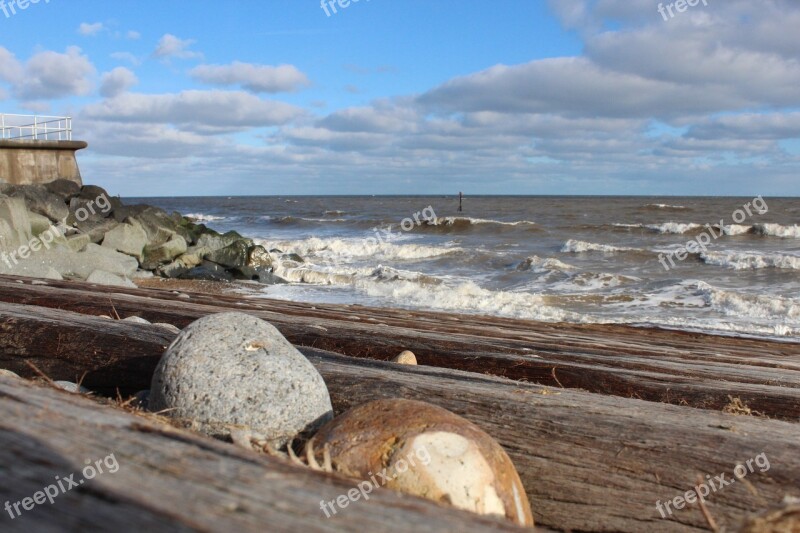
(141, 400)
(136, 320)
(208, 271)
(193, 256)
(78, 243)
(156, 223)
(105, 278)
(293, 257)
(41, 201)
(39, 223)
(426, 451)
(405, 358)
(142, 274)
(127, 239)
(71, 387)
(92, 192)
(95, 228)
(168, 327)
(64, 189)
(232, 256)
(163, 253)
(9, 373)
(258, 257)
(122, 213)
(261, 275)
(234, 369)
(173, 270)
(16, 228)
(214, 241)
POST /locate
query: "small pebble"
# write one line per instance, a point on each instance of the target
(141, 399)
(9, 374)
(136, 320)
(170, 327)
(406, 358)
(71, 387)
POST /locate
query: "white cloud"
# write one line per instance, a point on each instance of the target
(133, 35)
(254, 78)
(53, 75)
(117, 82)
(170, 46)
(90, 29)
(199, 111)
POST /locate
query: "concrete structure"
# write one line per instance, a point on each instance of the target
(26, 161)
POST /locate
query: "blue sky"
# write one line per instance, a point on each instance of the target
(415, 97)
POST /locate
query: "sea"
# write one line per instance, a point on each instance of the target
(616, 260)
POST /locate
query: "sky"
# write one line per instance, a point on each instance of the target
(189, 98)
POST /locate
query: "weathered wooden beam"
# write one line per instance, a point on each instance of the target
(674, 367)
(172, 480)
(589, 462)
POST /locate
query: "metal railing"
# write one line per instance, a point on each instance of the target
(38, 127)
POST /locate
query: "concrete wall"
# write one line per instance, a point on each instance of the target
(31, 161)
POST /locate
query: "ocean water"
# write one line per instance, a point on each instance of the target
(574, 259)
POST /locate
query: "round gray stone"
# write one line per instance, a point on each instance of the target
(233, 369)
(71, 387)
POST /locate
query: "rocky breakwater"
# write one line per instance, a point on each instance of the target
(60, 231)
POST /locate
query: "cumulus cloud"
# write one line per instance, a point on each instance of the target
(170, 46)
(133, 35)
(51, 75)
(117, 81)
(205, 111)
(90, 29)
(254, 78)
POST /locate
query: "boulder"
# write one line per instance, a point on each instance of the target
(208, 271)
(16, 230)
(64, 189)
(173, 270)
(261, 275)
(78, 243)
(258, 257)
(426, 451)
(193, 256)
(122, 213)
(234, 369)
(96, 228)
(214, 241)
(127, 239)
(163, 253)
(39, 223)
(106, 278)
(232, 256)
(93, 258)
(158, 225)
(92, 192)
(41, 201)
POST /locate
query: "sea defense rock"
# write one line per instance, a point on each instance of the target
(427, 451)
(406, 357)
(233, 369)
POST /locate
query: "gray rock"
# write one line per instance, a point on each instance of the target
(15, 231)
(105, 278)
(214, 241)
(91, 192)
(235, 369)
(163, 253)
(123, 212)
(42, 202)
(71, 387)
(141, 399)
(158, 225)
(262, 275)
(136, 320)
(64, 189)
(39, 223)
(168, 327)
(78, 243)
(127, 239)
(293, 257)
(9, 373)
(232, 256)
(208, 271)
(173, 270)
(95, 228)
(258, 257)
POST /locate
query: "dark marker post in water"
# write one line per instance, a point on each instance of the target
(460, 200)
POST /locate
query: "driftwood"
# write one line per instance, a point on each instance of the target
(167, 479)
(589, 462)
(681, 368)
